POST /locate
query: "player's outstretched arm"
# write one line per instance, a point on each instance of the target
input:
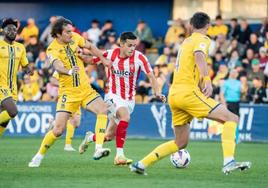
(97, 52)
(155, 87)
(201, 63)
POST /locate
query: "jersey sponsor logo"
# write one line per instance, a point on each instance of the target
(122, 73)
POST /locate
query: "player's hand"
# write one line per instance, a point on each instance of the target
(106, 62)
(74, 70)
(161, 97)
(207, 89)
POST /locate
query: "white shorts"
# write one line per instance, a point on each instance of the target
(115, 102)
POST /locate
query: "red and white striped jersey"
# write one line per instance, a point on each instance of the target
(124, 73)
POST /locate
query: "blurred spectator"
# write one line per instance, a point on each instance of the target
(258, 92)
(94, 32)
(218, 61)
(262, 31)
(234, 60)
(52, 88)
(219, 28)
(105, 32)
(46, 37)
(145, 36)
(245, 32)
(43, 67)
(178, 44)
(112, 42)
(266, 41)
(30, 30)
(246, 62)
(176, 29)
(244, 89)
(33, 48)
(234, 29)
(255, 71)
(254, 44)
(230, 92)
(164, 58)
(263, 57)
(235, 45)
(221, 45)
(221, 74)
(29, 90)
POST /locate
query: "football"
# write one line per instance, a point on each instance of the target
(180, 159)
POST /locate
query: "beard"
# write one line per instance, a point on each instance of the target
(10, 38)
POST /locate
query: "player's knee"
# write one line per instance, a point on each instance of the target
(58, 130)
(13, 113)
(125, 118)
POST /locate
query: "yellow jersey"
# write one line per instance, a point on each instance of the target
(11, 57)
(29, 91)
(186, 72)
(68, 55)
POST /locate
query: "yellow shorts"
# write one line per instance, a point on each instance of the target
(71, 101)
(187, 104)
(4, 94)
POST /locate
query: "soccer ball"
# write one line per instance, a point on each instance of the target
(180, 159)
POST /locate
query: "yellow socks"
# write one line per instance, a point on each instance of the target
(2, 130)
(159, 152)
(48, 141)
(228, 140)
(69, 133)
(100, 129)
(4, 117)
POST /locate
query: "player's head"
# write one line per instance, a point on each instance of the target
(62, 30)
(200, 20)
(128, 43)
(9, 27)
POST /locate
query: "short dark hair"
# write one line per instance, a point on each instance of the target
(234, 19)
(57, 27)
(127, 35)
(8, 21)
(218, 17)
(199, 20)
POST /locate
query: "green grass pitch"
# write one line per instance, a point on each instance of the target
(70, 169)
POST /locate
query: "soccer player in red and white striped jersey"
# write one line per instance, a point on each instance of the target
(122, 78)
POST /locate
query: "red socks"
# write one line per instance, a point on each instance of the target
(121, 133)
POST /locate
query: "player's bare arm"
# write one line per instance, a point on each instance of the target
(58, 66)
(98, 53)
(201, 63)
(155, 87)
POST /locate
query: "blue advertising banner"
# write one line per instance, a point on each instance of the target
(147, 121)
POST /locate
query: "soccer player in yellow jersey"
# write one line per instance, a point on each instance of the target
(72, 123)
(12, 56)
(189, 97)
(74, 87)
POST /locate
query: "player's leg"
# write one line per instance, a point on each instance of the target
(123, 116)
(8, 111)
(50, 137)
(163, 150)
(228, 138)
(72, 124)
(180, 120)
(97, 106)
(91, 137)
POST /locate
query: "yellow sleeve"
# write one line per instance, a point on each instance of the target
(24, 61)
(80, 40)
(202, 45)
(52, 55)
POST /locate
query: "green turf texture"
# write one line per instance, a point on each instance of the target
(70, 169)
